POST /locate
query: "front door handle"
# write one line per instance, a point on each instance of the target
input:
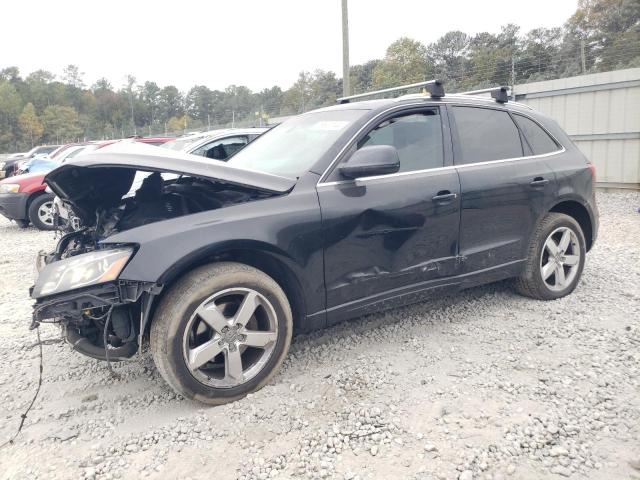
(539, 182)
(443, 197)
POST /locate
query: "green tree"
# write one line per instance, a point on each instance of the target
(61, 124)
(296, 98)
(324, 88)
(39, 86)
(405, 62)
(270, 100)
(609, 30)
(149, 96)
(539, 53)
(177, 124)
(362, 76)
(72, 76)
(449, 56)
(10, 107)
(170, 103)
(198, 103)
(30, 125)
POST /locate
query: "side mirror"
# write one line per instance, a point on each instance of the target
(370, 161)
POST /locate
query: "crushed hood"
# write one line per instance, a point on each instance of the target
(102, 177)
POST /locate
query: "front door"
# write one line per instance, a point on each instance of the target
(389, 239)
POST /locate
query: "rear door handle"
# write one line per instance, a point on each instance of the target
(539, 182)
(444, 197)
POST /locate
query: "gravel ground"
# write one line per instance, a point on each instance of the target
(484, 385)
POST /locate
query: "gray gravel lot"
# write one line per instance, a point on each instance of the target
(484, 385)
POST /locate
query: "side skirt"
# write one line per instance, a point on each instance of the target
(416, 293)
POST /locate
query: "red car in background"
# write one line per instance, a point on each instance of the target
(23, 197)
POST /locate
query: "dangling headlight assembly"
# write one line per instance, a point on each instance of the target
(80, 271)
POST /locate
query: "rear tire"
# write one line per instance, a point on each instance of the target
(41, 212)
(555, 259)
(221, 332)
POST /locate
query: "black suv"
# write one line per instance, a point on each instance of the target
(335, 213)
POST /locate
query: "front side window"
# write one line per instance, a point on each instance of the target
(222, 149)
(485, 134)
(539, 140)
(417, 137)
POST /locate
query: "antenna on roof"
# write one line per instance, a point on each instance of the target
(434, 87)
(501, 94)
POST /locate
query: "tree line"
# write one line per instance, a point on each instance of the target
(43, 108)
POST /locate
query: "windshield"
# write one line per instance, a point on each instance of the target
(294, 146)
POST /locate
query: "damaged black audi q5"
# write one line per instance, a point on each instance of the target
(333, 214)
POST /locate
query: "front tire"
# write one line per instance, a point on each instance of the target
(221, 332)
(555, 259)
(41, 212)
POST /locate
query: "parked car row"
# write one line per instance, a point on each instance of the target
(333, 214)
(23, 197)
(9, 166)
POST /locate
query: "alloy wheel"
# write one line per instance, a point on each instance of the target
(230, 337)
(45, 213)
(560, 259)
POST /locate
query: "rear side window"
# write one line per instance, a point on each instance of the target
(539, 140)
(485, 135)
(417, 138)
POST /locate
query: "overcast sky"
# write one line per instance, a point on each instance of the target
(254, 43)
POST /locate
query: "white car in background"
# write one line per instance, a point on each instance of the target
(216, 144)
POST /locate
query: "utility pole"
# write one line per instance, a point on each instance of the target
(513, 78)
(584, 63)
(133, 118)
(346, 88)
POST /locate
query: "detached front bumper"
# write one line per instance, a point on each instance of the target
(85, 314)
(71, 305)
(14, 205)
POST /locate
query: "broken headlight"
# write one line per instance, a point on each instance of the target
(92, 268)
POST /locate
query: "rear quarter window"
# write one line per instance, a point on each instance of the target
(539, 140)
(485, 134)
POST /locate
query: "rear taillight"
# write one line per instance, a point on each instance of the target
(592, 167)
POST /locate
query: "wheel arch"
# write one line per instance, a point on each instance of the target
(32, 197)
(580, 214)
(255, 254)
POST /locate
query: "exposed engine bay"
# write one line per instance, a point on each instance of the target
(104, 320)
(153, 199)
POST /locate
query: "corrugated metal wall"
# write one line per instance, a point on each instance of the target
(601, 114)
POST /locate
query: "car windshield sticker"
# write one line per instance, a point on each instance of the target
(329, 125)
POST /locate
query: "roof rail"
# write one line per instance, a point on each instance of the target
(434, 87)
(500, 94)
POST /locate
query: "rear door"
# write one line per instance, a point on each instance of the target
(504, 188)
(389, 238)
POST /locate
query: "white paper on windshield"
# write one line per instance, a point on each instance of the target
(329, 125)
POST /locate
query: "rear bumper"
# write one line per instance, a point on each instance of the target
(14, 205)
(595, 222)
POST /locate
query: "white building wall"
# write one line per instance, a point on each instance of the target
(601, 114)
